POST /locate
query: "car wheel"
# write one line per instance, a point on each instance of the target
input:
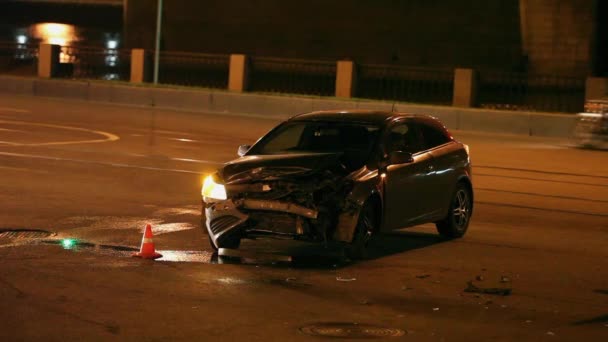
(457, 221)
(364, 230)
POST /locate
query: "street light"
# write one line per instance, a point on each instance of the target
(159, 14)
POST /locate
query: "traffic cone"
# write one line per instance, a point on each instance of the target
(147, 246)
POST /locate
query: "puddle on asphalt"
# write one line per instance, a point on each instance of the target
(93, 223)
(280, 257)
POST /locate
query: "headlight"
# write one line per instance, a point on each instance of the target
(213, 190)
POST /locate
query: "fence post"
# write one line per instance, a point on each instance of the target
(596, 87)
(140, 68)
(48, 60)
(345, 79)
(465, 88)
(238, 73)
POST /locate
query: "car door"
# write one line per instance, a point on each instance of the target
(405, 199)
(446, 154)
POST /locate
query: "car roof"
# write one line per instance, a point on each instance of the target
(362, 116)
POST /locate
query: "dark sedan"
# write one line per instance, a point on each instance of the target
(341, 176)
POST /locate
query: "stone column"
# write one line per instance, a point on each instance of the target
(345, 79)
(465, 88)
(238, 73)
(140, 66)
(48, 60)
(596, 87)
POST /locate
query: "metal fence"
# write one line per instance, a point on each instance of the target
(18, 59)
(296, 76)
(94, 63)
(521, 91)
(397, 83)
(194, 69)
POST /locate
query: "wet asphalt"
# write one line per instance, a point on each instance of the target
(98, 173)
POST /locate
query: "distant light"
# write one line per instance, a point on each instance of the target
(55, 33)
(21, 39)
(112, 44)
(68, 243)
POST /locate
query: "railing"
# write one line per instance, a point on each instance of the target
(194, 69)
(94, 63)
(396, 83)
(18, 59)
(294, 76)
(521, 91)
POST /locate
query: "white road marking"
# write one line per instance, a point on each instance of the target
(11, 130)
(182, 140)
(107, 136)
(8, 143)
(149, 168)
(22, 169)
(14, 110)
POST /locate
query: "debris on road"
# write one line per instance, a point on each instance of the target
(479, 278)
(435, 309)
(345, 279)
(504, 279)
(423, 276)
(550, 333)
(492, 290)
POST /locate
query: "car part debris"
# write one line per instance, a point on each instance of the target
(345, 279)
(492, 290)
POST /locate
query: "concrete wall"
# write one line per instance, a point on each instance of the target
(217, 101)
(451, 33)
(559, 35)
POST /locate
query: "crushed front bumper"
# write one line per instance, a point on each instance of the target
(228, 217)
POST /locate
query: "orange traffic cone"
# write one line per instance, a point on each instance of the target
(147, 246)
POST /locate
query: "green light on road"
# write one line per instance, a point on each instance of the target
(68, 243)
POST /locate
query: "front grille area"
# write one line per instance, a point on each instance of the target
(274, 222)
(221, 223)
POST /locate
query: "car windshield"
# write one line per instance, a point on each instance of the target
(322, 137)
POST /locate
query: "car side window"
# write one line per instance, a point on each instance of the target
(403, 137)
(432, 136)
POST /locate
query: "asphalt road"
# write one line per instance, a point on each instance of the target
(99, 173)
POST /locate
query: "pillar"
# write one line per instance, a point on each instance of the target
(465, 88)
(238, 73)
(140, 68)
(596, 87)
(345, 79)
(48, 60)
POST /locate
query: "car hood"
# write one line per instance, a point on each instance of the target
(279, 166)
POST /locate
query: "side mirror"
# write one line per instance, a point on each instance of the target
(242, 150)
(400, 157)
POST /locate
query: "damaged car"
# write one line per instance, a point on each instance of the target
(341, 177)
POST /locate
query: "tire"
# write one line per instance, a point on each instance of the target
(364, 230)
(461, 207)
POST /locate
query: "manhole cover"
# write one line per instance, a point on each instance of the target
(24, 234)
(350, 330)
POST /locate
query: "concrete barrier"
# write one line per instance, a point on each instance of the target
(282, 107)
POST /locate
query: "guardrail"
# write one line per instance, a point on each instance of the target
(439, 86)
(91, 62)
(194, 69)
(529, 92)
(18, 59)
(296, 76)
(389, 82)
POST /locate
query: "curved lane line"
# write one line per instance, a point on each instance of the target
(108, 136)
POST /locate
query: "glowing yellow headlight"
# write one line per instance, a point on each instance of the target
(213, 190)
